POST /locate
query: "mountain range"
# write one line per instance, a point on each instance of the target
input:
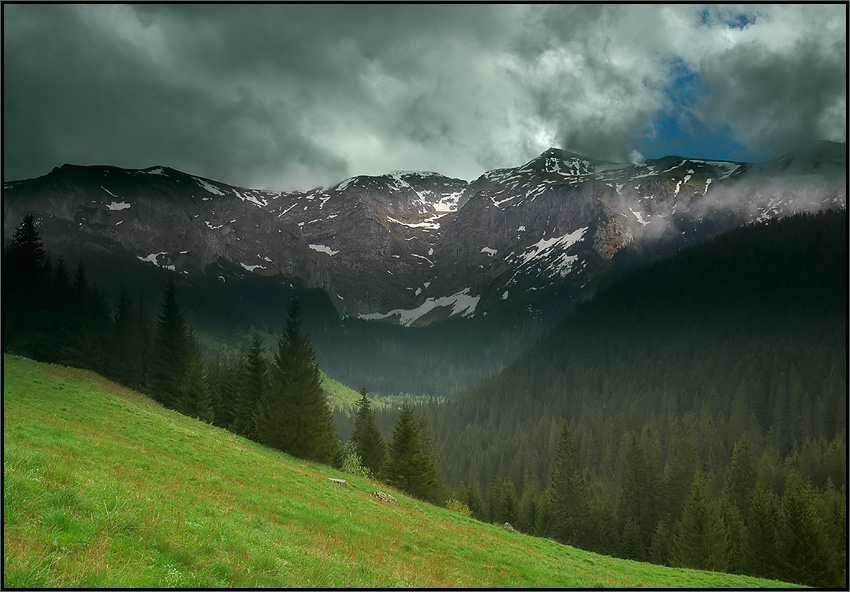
(481, 269)
(413, 248)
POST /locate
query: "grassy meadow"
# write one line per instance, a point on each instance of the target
(105, 488)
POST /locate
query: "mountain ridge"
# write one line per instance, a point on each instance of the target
(391, 246)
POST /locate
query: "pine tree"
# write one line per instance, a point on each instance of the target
(662, 544)
(567, 492)
(171, 350)
(368, 440)
(128, 342)
(760, 532)
(528, 503)
(508, 503)
(222, 377)
(411, 465)
(294, 415)
(733, 533)
(631, 542)
(251, 387)
(471, 496)
(640, 485)
(678, 473)
(742, 476)
(25, 259)
(26, 270)
(195, 398)
(700, 543)
(802, 554)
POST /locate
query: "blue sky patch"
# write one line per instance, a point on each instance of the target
(677, 130)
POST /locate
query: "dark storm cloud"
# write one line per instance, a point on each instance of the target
(291, 96)
(86, 96)
(778, 100)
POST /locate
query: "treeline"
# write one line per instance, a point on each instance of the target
(274, 399)
(706, 390)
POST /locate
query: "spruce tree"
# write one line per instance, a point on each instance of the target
(294, 415)
(195, 398)
(25, 259)
(222, 377)
(251, 387)
(640, 483)
(759, 540)
(803, 556)
(662, 543)
(701, 542)
(528, 503)
(368, 440)
(733, 534)
(742, 476)
(172, 353)
(508, 502)
(411, 465)
(567, 493)
(678, 473)
(26, 274)
(128, 344)
(631, 542)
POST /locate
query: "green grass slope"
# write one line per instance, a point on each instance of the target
(105, 488)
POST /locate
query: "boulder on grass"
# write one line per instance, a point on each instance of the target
(339, 481)
(385, 497)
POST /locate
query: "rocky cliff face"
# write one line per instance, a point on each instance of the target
(415, 248)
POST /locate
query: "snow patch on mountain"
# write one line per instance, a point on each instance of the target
(448, 202)
(544, 246)
(462, 304)
(429, 223)
(323, 249)
(116, 206)
(152, 258)
(210, 188)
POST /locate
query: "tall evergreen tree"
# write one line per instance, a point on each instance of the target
(742, 475)
(252, 384)
(25, 258)
(700, 543)
(128, 344)
(369, 441)
(195, 398)
(25, 269)
(411, 465)
(508, 502)
(222, 380)
(567, 493)
(760, 543)
(662, 543)
(528, 503)
(294, 415)
(640, 486)
(172, 350)
(678, 473)
(803, 556)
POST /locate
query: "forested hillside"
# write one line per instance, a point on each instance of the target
(712, 384)
(692, 414)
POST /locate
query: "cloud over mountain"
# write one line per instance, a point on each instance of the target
(289, 96)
